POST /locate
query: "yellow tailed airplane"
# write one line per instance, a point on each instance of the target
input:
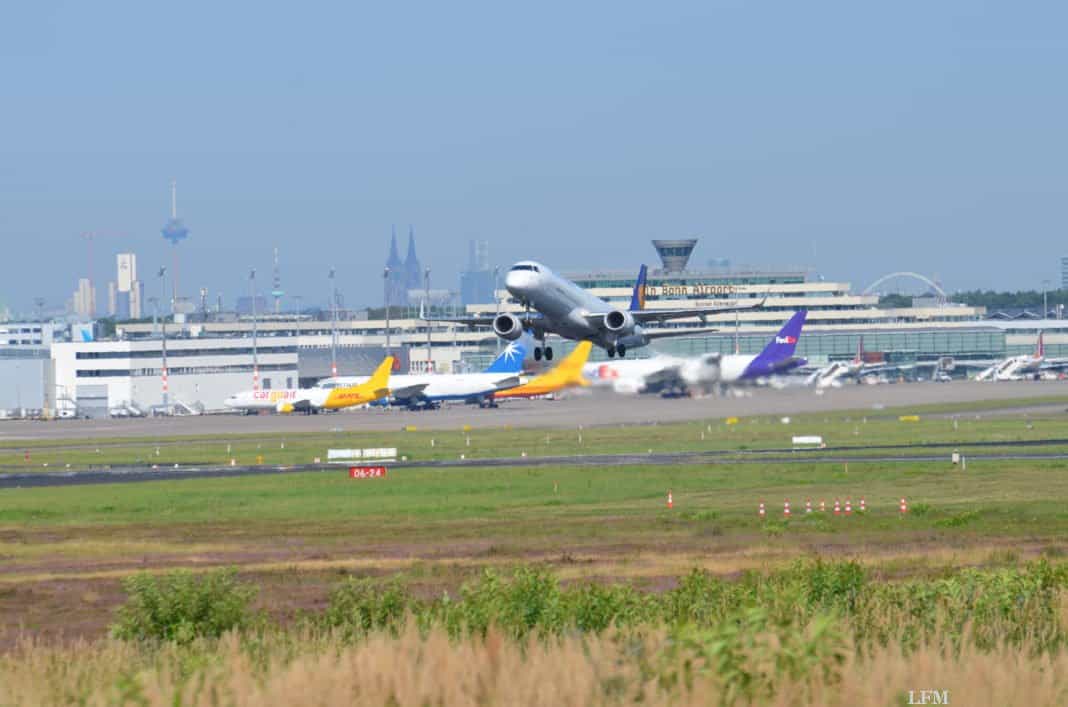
(566, 374)
(315, 399)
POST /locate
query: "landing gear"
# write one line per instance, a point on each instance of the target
(610, 350)
(537, 353)
(548, 353)
(622, 350)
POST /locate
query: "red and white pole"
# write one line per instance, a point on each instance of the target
(762, 511)
(904, 506)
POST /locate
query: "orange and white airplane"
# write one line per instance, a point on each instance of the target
(566, 374)
(316, 399)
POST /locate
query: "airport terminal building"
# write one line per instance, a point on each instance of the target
(208, 361)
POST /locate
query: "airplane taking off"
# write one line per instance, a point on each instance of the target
(428, 390)
(566, 374)
(316, 399)
(565, 309)
(711, 369)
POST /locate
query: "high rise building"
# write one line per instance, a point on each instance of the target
(124, 295)
(1064, 273)
(476, 282)
(84, 300)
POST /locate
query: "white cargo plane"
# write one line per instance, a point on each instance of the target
(706, 370)
(428, 390)
(563, 308)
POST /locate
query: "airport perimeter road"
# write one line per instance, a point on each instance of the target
(580, 408)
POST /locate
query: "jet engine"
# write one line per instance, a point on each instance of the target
(284, 407)
(508, 327)
(619, 322)
(702, 371)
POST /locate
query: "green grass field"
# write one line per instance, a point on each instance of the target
(63, 550)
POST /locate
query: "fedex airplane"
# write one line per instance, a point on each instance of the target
(563, 308)
(430, 389)
(708, 369)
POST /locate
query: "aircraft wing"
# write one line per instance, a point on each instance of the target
(643, 316)
(408, 392)
(506, 383)
(669, 333)
(532, 321)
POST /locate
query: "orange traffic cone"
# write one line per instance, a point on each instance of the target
(863, 507)
(761, 511)
(849, 507)
(823, 506)
(837, 507)
(904, 506)
(786, 509)
(808, 506)
(671, 501)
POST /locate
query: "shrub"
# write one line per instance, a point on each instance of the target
(181, 606)
(358, 606)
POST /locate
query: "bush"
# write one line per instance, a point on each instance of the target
(358, 607)
(181, 606)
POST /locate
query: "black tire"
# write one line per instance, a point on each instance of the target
(621, 350)
(548, 353)
(537, 353)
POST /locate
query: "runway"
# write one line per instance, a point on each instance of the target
(142, 473)
(584, 407)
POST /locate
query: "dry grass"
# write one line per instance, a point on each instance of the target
(416, 670)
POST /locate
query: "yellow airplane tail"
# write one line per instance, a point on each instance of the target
(380, 378)
(570, 369)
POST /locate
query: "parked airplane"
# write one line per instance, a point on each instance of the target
(565, 309)
(566, 374)
(836, 372)
(316, 399)
(1021, 367)
(708, 370)
(430, 389)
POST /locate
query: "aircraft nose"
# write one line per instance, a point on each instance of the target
(518, 282)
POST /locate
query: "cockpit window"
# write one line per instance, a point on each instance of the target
(532, 268)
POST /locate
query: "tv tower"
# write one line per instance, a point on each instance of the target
(276, 289)
(174, 231)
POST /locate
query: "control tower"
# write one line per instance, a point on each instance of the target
(675, 254)
(175, 232)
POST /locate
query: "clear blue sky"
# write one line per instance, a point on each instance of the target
(858, 138)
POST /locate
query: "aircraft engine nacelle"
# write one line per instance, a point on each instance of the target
(701, 371)
(508, 327)
(284, 407)
(619, 322)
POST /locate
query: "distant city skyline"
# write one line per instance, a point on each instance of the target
(855, 139)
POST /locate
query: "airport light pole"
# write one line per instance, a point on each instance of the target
(163, 333)
(1045, 302)
(333, 325)
(385, 278)
(497, 298)
(255, 357)
(429, 355)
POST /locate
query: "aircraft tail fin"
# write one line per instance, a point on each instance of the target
(782, 346)
(510, 360)
(570, 368)
(380, 378)
(637, 298)
(860, 351)
(1040, 349)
